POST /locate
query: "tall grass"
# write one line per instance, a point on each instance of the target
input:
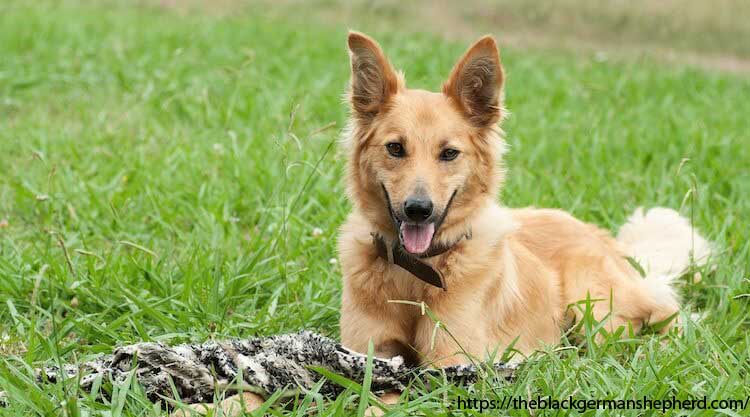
(176, 177)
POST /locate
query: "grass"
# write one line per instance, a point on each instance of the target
(176, 177)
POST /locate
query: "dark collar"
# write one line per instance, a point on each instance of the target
(396, 254)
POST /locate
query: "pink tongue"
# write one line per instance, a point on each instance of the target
(417, 237)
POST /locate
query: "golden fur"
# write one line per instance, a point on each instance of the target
(514, 280)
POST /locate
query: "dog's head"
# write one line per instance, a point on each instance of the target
(421, 161)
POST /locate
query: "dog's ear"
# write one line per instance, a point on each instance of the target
(476, 83)
(374, 81)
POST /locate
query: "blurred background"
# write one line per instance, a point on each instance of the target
(714, 34)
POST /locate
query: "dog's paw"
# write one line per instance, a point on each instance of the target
(230, 407)
(389, 398)
(374, 411)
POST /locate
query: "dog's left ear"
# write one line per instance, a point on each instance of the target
(476, 83)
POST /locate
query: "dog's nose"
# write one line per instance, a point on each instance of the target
(417, 208)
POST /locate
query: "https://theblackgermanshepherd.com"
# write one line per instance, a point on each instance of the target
(424, 173)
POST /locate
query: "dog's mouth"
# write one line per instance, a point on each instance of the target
(416, 238)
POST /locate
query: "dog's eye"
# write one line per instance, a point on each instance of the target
(449, 154)
(395, 149)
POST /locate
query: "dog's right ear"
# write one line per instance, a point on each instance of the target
(374, 81)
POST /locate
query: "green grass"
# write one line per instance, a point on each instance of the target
(163, 175)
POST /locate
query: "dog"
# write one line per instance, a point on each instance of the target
(424, 173)
(426, 231)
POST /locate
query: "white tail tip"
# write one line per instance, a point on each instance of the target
(663, 242)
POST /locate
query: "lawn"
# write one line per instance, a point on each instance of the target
(175, 176)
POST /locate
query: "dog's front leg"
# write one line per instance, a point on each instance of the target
(366, 316)
(359, 328)
(459, 336)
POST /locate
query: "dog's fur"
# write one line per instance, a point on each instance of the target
(513, 281)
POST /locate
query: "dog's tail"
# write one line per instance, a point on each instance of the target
(664, 244)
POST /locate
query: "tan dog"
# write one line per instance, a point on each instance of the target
(424, 174)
